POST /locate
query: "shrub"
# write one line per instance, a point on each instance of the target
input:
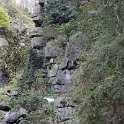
(4, 18)
(12, 57)
(57, 12)
(102, 83)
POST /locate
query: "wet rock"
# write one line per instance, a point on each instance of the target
(4, 106)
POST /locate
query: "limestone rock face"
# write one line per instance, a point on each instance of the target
(52, 51)
(65, 113)
(36, 32)
(38, 42)
(59, 66)
(29, 4)
(12, 117)
(62, 102)
(64, 78)
(37, 16)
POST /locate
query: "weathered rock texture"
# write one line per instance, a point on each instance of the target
(29, 4)
(15, 116)
(60, 76)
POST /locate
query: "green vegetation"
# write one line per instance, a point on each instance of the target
(58, 12)
(4, 18)
(33, 90)
(17, 13)
(99, 91)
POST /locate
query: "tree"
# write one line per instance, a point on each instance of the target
(57, 12)
(4, 18)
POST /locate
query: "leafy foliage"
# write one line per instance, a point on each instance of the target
(4, 18)
(57, 12)
(14, 60)
(102, 84)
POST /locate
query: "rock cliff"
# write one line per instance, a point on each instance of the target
(60, 74)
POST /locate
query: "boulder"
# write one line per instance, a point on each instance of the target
(65, 113)
(36, 32)
(37, 16)
(74, 50)
(60, 88)
(61, 102)
(38, 42)
(52, 51)
(12, 117)
(64, 78)
(4, 106)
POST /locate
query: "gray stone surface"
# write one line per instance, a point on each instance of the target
(68, 63)
(4, 106)
(60, 88)
(37, 16)
(61, 102)
(64, 64)
(64, 78)
(52, 51)
(65, 113)
(3, 42)
(53, 71)
(38, 42)
(12, 117)
(36, 32)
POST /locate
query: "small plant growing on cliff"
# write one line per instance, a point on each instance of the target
(4, 18)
